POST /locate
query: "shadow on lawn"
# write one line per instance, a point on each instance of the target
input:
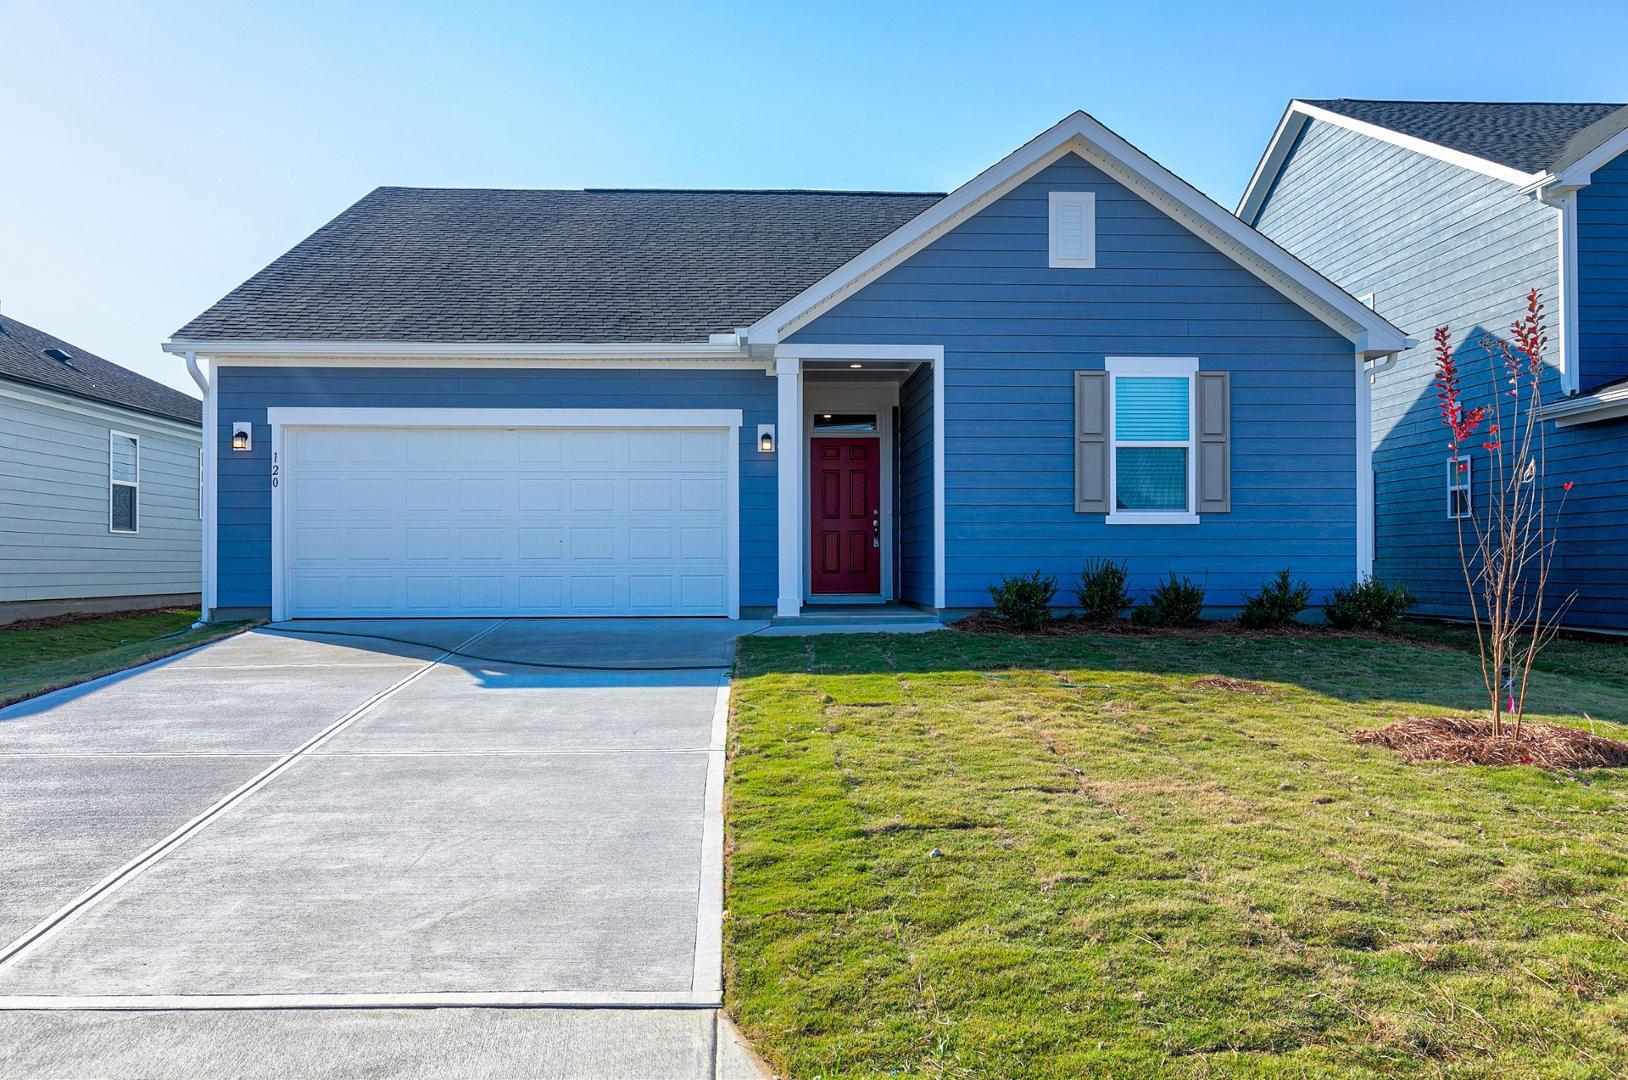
(1429, 676)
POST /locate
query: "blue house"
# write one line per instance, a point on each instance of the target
(1447, 213)
(629, 402)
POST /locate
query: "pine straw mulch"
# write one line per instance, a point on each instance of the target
(1464, 741)
(987, 622)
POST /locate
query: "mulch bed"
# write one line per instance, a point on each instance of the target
(1470, 742)
(50, 622)
(988, 623)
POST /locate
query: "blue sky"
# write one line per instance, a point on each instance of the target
(159, 153)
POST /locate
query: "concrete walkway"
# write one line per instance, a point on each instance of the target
(268, 856)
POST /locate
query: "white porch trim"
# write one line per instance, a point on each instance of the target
(788, 373)
(790, 439)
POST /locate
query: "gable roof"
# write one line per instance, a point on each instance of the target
(1525, 135)
(605, 265)
(1520, 142)
(86, 375)
(1081, 134)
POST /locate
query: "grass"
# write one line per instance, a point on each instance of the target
(988, 856)
(35, 661)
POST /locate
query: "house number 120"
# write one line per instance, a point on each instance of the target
(274, 468)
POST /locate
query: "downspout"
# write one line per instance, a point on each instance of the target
(196, 372)
(1564, 200)
(207, 489)
(1367, 509)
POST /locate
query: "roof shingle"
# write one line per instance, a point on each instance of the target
(605, 265)
(84, 374)
(1525, 135)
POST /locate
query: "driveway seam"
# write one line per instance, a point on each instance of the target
(64, 916)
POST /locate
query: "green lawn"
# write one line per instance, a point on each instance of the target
(35, 661)
(973, 856)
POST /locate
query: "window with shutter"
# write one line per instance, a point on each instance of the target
(1152, 441)
(1073, 229)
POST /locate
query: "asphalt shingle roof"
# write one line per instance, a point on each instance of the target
(479, 265)
(84, 374)
(1527, 135)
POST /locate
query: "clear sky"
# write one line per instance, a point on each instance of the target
(157, 153)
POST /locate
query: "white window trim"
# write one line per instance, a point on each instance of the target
(1468, 487)
(1168, 367)
(133, 485)
(1055, 201)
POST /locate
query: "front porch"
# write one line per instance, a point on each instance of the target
(859, 438)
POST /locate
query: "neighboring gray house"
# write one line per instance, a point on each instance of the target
(99, 483)
(1446, 213)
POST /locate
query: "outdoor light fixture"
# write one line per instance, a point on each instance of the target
(241, 436)
(765, 438)
(856, 365)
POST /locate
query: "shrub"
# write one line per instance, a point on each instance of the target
(1369, 604)
(1102, 593)
(1278, 602)
(1024, 601)
(1176, 602)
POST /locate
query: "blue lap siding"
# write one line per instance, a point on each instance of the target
(1438, 244)
(916, 488)
(1015, 330)
(244, 393)
(1602, 275)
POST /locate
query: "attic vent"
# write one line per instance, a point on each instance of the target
(58, 355)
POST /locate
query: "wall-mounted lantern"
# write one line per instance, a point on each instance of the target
(765, 438)
(242, 436)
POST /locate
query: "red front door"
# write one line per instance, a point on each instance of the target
(846, 513)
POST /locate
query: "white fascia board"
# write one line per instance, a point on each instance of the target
(1506, 173)
(103, 411)
(1290, 125)
(1083, 135)
(1581, 172)
(1607, 404)
(454, 350)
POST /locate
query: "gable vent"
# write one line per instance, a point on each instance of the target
(1073, 222)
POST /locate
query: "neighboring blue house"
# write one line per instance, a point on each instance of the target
(613, 402)
(1446, 213)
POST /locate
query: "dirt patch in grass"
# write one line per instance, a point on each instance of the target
(1228, 685)
(73, 618)
(1471, 742)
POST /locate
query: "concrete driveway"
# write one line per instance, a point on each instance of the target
(318, 830)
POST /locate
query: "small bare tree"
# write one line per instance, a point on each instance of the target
(1509, 550)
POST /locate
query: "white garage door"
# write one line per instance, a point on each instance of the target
(385, 521)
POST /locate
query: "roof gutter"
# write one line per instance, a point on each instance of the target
(196, 372)
(721, 347)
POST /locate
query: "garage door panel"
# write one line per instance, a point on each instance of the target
(532, 521)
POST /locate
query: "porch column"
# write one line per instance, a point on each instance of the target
(789, 446)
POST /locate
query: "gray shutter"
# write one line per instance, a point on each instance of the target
(1090, 442)
(1214, 442)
